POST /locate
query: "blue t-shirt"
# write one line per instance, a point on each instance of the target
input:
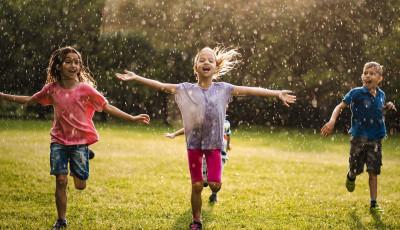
(367, 117)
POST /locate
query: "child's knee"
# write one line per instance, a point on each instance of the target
(61, 181)
(79, 184)
(197, 187)
(215, 187)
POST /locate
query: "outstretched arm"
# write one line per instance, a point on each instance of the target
(388, 106)
(328, 127)
(283, 95)
(18, 99)
(131, 76)
(173, 135)
(114, 111)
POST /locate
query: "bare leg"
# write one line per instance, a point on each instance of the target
(196, 200)
(61, 195)
(79, 184)
(373, 185)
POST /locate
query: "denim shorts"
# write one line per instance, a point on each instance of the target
(365, 152)
(76, 155)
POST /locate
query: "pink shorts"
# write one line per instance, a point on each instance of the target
(214, 164)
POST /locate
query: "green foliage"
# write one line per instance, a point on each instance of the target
(274, 179)
(315, 48)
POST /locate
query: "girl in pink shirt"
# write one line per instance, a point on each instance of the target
(72, 92)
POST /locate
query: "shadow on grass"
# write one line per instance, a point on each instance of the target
(184, 220)
(357, 224)
(377, 221)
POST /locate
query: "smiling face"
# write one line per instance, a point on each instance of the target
(71, 67)
(371, 78)
(205, 65)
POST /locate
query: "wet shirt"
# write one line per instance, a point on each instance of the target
(73, 112)
(203, 113)
(367, 117)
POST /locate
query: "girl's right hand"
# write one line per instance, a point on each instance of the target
(170, 135)
(128, 76)
(1, 96)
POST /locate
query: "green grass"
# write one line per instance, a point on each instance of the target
(274, 179)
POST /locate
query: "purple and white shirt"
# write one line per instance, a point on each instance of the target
(203, 113)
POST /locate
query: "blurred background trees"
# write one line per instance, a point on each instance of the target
(315, 48)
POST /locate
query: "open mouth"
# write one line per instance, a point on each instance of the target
(206, 69)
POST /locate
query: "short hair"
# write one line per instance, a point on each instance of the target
(374, 65)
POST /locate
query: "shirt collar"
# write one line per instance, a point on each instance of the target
(378, 90)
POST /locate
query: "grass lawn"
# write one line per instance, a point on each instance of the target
(274, 179)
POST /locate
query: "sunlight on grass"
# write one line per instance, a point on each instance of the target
(284, 179)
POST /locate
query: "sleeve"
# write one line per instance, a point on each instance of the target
(43, 97)
(349, 97)
(180, 87)
(96, 100)
(228, 91)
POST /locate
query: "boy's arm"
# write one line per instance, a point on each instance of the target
(228, 143)
(114, 111)
(388, 107)
(283, 95)
(328, 127)
(18, 99)
(173, 135)
(131, 76)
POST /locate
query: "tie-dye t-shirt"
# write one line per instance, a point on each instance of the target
(203, 113)
(73, 112)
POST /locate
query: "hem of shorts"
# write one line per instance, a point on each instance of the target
(58, 173)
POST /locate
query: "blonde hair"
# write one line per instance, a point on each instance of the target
(226, 60)
(56, 60)
(374, 65)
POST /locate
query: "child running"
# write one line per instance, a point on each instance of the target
(203, 106)
(224, 157)
(71, 91)
(367, 105)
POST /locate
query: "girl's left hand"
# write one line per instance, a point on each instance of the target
(286, 98)
(142, 118)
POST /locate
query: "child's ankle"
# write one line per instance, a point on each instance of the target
(196, 219)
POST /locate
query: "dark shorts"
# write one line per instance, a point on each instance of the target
(365, 152)
(76, 155)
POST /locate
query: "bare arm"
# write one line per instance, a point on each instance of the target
(283, 95)
(328, 127)
(115, 112)
(173, 135)
(131, 76)
(228, 143)
(26, 100)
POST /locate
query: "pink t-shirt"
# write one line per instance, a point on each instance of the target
(73, 112)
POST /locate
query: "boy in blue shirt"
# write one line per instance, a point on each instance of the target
(367, 129)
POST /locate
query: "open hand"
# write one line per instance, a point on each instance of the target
(142, 118)
(170, 135)
(327, 129)
(286, 98)
(128, 76)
